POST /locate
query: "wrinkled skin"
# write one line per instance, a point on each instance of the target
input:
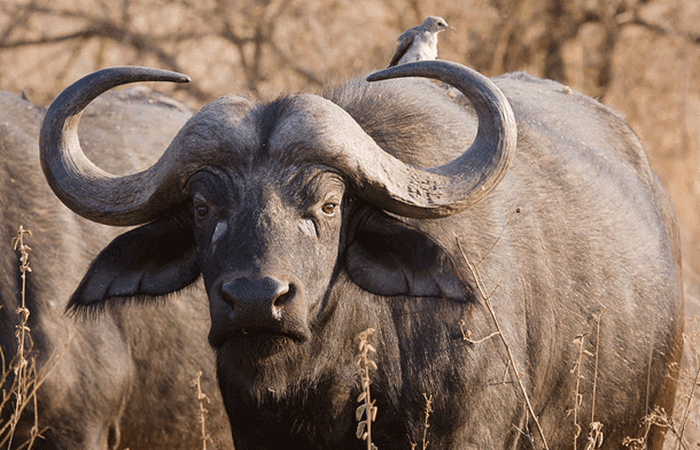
(120, 379)
(297, 262)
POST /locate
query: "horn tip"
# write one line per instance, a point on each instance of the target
(415, 68)
(377, 76)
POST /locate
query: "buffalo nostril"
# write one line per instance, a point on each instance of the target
(283, 298)
(257, 294)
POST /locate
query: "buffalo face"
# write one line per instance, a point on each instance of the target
(267, 242)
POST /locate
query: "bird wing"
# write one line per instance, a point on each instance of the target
(404, 42)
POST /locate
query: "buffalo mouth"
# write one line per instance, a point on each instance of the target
(269, 339)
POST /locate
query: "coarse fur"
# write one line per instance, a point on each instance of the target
(579, 228)
(123, 379)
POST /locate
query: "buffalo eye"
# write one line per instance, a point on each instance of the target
(329, 208)
(200, 207)
(201, 211)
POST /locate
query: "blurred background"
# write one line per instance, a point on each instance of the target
(641, 58)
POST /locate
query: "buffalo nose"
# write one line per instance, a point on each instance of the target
(257, 298)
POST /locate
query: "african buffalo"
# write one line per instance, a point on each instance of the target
(311, 219)
(122, 380)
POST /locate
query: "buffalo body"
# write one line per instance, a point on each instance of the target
(306, 233)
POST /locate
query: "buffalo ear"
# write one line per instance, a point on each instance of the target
(152, 260)
(388, 257)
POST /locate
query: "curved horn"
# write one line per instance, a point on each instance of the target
(452, 187)
(85, 188)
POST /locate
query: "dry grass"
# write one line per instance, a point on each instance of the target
(676, 425)
(511, 361)
(20, 377)
(689, 400)
(202, 398)
(684, 426)
(595, 433)
(20, 380)
(366, 413)
(426, 423)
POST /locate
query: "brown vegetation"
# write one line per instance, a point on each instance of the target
(640, 57)
(20, 377)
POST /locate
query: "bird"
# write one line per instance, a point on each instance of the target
(420, 42)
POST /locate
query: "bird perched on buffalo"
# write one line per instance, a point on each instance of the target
(420, 42)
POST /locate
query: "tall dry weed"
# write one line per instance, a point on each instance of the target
(595, 436)
(683, 428)
(498, 333)
(20, 380)
(202, 398)
(688, 393)
(366, 413)
(21, 377)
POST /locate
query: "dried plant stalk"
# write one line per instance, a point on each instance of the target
(426, 424)
(366, 413)
(26, 379)
(511, 360)
(201, 399)
(23, 366)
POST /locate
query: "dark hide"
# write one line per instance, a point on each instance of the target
(579, 233)
(123, 379)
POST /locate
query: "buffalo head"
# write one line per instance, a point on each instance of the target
(260, 201)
